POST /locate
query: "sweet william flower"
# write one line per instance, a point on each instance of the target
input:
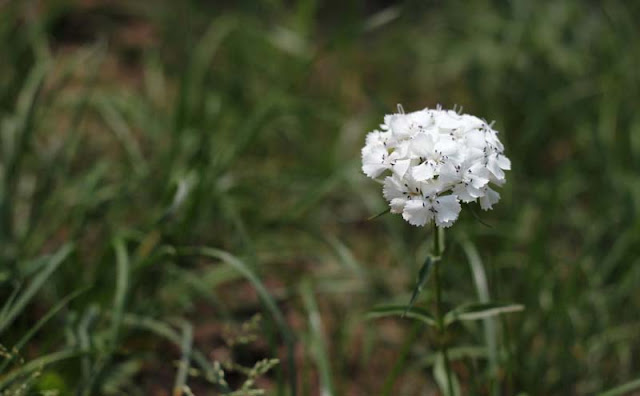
(430, 161)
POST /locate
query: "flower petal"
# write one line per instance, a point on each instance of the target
(400, 167)
(393, 188)
(447, 210)
(423, 172)
(490, 198)
(503, 162)
(416, 212)
(373, 160)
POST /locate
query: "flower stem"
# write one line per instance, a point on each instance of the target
(438, 250)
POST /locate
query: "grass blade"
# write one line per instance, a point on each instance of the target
(417, 313)
(123, 133)
(266, 298)
(9, 302)
(183, 368)
(317, 340)
(122, 286)
(623, 389)
(482, 288)
(35, 285)
(26, 108)
(54, 310)
(165, 331)
(475, 311)
(440, 375)
(37, 364)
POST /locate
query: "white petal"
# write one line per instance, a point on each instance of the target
(422, 118)
(393, 188)
(373, 160)
(475, 139)
(492, 165)
(422, 172)
(447, 147)
(478, 181)
(503, 162)
(422, 145)
(400, 126)
(467, 193)
(432, 187)
(490, 198)
(400, 167)
(463, 193)
(397, 205)
(449, 174)
(374, 137)
(447, 210)
(448, 120)
(473, 154)
(416, 212)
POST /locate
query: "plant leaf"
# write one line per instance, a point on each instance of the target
(37, 364)
(165, 331)
(379, 214)
(263, 293)
(317, 342)
(38, 281)
(475, 311)
(54, 310)
(186, 344)
(423, 275)
(418, 313)
(623, 389)
(440, 375)
(482, 289)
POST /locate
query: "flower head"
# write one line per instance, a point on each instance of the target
(432, 160)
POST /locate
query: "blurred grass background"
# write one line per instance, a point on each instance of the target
(170, 169)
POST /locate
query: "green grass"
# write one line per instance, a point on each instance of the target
(168, 169)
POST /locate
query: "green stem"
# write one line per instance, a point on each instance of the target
(437, 253)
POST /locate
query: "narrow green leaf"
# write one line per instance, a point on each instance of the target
(186, 344)
(14, 154)
(344, 255)
(113, 117)
(623, 389)
(37, 364)
(458, 353)
(95, 371)
(54, 310)
(84, 340)
(122, 282)
(440, 375)
(262, 291)
(38, 281)
(388, 210)
(317, 342)
(165, 331)
(9, 302)
(475, 311)
(423, 275)
(417, 313)
(482, 289)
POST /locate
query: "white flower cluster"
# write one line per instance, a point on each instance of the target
(432, 160)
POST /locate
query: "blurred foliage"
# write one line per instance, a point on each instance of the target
(132, 132)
